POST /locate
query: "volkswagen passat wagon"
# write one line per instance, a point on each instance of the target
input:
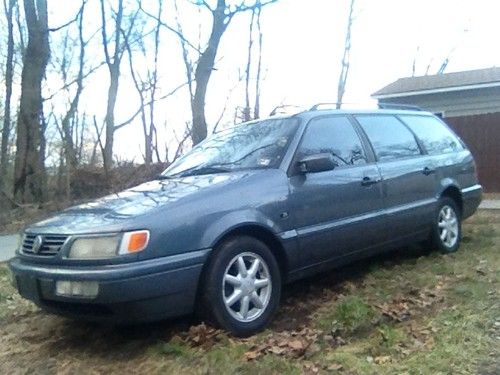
(249, 209)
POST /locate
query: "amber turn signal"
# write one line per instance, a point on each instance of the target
(133, 242)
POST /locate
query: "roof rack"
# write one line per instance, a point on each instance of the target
(318, 105)
(399, 106)
(281, 109)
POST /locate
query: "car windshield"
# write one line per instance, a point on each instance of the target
(259, 144)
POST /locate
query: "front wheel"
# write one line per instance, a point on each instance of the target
(446, 232)
(242, 286)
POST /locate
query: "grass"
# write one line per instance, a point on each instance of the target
(350, 315)
(404, 313)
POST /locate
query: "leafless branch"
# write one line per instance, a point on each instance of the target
(170, 28)
(243, 7)
(69, 84)
(53, 29)
(104, 34)
(136, 113)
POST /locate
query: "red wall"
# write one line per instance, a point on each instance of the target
(481, 133)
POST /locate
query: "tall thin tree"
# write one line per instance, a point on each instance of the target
(9, 65)
(247, 115)
(113, 62)
(29, 169)
(256, 109)
(344, 71)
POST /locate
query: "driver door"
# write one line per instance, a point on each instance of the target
(338, 211)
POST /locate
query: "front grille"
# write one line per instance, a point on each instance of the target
(50, 244)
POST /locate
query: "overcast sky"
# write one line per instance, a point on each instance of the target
(303, 46)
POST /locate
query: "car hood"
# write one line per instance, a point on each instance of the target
(112, 212)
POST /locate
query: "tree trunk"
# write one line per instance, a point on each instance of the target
(247, 116)
(256, 113)
(204, 71)
(69, 145)
(29, 171)
(114, 76)
(9, 8)
(113, 64)
(344, 71)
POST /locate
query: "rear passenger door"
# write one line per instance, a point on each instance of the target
(338, 211)
(409, 177)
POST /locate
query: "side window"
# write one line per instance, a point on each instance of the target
(435, 136)
(389, 137)
(334, 135)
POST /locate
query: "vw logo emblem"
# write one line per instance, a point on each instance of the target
(37, 244)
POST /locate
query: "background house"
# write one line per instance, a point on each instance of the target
(469, 102)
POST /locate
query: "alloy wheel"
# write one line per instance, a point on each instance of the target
(246, 287)
(448, 226)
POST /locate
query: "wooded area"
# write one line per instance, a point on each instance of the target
(38, 120)
(53, 146)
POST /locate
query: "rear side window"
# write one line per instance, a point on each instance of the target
(389, 137)
(336, 136)
(435, 136)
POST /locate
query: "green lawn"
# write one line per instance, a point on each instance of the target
(404, 313)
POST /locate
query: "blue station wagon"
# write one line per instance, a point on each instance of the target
(249, 209)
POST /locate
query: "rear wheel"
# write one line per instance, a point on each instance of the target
(446, 232)
(242, 286)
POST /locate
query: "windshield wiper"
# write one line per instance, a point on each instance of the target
(202, 170)
(163, 177)
(195, 171)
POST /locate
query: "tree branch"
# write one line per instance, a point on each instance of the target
(104, 35)
(170, 28)
(136, 113)
(53, 29)
(50, 97)
(243, 7)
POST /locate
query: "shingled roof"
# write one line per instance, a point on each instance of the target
(440, 83)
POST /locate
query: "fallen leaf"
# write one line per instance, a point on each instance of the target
(383, 359)
(277, 350)
(253, 354)
(335, 367)
(296, 345)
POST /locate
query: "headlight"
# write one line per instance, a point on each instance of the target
(94, 247)
(109, 246)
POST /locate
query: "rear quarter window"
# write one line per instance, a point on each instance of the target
(434, 135)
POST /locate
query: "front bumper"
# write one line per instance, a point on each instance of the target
(132, 292)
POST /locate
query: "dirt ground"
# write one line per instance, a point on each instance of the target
(410, 311)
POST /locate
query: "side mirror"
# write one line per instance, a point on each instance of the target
(317, 163)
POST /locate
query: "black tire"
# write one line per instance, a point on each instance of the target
(214, 290)
(436, 242)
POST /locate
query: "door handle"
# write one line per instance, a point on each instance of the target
(427, 171)
(367, 181)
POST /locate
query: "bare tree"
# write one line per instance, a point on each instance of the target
(247, 110)
(256, 108)
(344, 71)
(113, 63)
(146, 89)
(29, 169)
(9, 67)
(188, 63)
(67, 121)
(222, 15)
